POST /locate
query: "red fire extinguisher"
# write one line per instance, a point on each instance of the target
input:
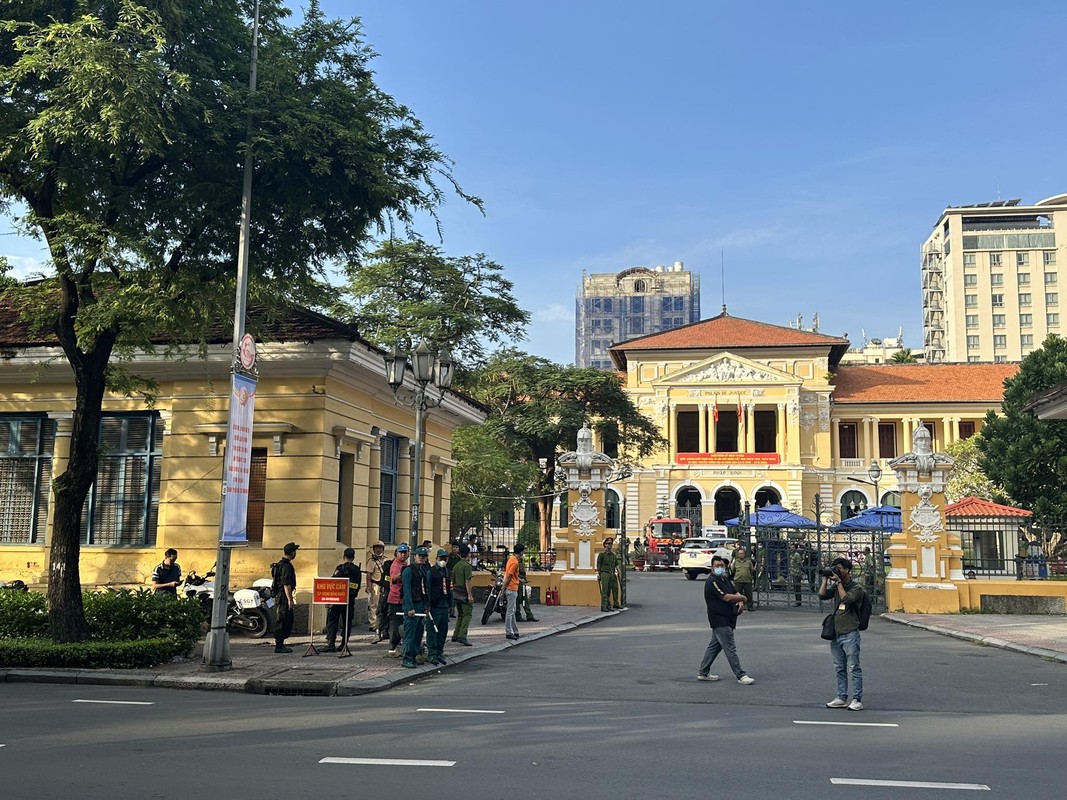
(552, 597)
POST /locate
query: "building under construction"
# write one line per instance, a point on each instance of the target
(613, 307)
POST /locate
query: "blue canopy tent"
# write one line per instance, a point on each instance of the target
(878, 518)
(774, 516)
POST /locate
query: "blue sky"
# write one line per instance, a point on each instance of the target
(811, 146)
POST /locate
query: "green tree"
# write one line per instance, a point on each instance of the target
(122, 128)
(967, 478)
(487, 478)
(904, 356)
(1026, 455)
(405, 292)
(540, 406)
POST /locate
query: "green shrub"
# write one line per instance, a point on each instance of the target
(141, 614)
(23, 615)
(126, 629)
(85, 655)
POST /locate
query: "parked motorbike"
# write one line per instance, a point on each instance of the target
(248, 611)
(495, 600)
(15, 586)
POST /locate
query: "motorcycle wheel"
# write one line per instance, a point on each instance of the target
(490, 606)
(260, 623)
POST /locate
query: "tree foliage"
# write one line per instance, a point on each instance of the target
(1026, 455)
(408, 291)
(123, 125)
(487, 478)
(967, 478)
(539, 407)
(904, 356)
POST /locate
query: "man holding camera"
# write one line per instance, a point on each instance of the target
(837, 584)
(724, 604)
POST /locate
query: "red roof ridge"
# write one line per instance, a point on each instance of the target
(977, 507)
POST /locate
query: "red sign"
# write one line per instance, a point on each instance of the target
(330, 591)
(729, 458)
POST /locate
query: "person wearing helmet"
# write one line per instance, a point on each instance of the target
(415, 598)
(375, 569)
(394, 609)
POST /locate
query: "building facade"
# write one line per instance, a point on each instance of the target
(331, 455)
(990, 280)
(614, 307)
(757, 413)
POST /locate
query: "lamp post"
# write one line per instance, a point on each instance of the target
(429, 369)
(875, 474)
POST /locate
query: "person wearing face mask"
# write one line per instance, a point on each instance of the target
(724, 604)
(440, 603)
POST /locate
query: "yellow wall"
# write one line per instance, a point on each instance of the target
(296, 414)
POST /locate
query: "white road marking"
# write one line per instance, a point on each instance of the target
(1039, 684)
(980, 787)
(459, 710)
(853, 724)
(117, 702)
(387, 762)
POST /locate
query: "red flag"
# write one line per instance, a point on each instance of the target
(715, 413)
(740, 414)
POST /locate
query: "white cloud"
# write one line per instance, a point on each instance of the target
(24, 266)
(556, 312)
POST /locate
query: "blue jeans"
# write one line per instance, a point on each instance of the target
(846, 652)
(722, 641)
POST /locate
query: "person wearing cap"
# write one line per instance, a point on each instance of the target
(453, 559)
(440, 585)
(283, 588)
(350, 570)
(415, 598)
(462, 595)
(394, 607)
(375, 569)
(523, 601)
(607, 567)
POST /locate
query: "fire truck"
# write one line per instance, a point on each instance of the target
(665, 537)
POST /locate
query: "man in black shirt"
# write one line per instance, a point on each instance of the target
(346, 569)
(284, 588)
(724, 603)
(167, 576)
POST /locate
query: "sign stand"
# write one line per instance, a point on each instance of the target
(312, 650)
(328, 592)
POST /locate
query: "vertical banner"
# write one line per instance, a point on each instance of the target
(238, 459)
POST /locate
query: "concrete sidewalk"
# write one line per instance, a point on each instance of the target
(258, 669)
(1034, 634)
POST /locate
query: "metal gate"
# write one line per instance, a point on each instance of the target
(787, 563)
(694, 515)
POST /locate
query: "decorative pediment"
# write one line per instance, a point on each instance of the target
(729, 369)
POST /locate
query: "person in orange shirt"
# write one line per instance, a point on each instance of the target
(511, 591)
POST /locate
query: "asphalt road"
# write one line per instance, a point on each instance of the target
(611, 710)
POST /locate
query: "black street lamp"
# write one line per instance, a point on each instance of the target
(429, 369)
(875, 474)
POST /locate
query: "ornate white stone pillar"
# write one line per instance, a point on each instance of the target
(750, 428)
(702, 427)
(780, 443)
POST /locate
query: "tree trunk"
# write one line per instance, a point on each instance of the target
(66, 614)
(545, 498)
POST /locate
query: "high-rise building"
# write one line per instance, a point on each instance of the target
(991, 280)
(615, 306)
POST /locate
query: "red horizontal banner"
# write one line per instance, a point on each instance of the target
(729, 458)
(330, 591)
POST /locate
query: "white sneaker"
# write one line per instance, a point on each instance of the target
(837, 702)
(707, 677)
(746, 680)
(394, 653)
(855, 705)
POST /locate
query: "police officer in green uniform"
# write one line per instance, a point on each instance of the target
(415, 603)
(607, 569)
(523, 603)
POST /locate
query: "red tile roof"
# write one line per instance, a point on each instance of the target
(919, 383)
(726, 332)
(977, 507)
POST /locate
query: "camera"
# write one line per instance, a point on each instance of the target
(828, 572)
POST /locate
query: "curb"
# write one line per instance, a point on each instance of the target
(982, 639)
(270, 680)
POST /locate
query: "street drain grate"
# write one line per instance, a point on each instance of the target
(301, 682)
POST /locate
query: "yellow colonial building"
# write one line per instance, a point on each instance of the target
(331, 455)
(757, 413)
